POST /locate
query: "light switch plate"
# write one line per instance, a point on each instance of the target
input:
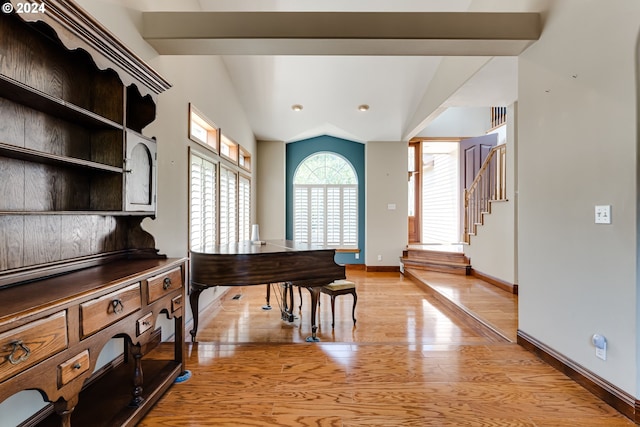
(603, 214)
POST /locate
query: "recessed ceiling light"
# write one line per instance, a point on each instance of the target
(363, 107)
(296, 107)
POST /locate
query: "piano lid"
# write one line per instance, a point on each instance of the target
(247, 247)
(246, 263)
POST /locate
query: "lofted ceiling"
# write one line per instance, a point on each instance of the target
(408, 61)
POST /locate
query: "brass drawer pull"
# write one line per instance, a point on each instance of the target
(117, 305)
(18, 346)
(166, 283)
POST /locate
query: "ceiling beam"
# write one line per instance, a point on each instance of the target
(341, 33)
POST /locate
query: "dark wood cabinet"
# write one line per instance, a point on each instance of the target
(78, 177)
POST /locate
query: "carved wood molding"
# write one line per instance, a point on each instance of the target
(79, 30)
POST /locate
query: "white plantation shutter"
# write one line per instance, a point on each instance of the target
(334, 216)
(350, 215)
(301, 218)
(228, 206)
(317, 215)
(325, 202)
(202, 204)
(244, 208)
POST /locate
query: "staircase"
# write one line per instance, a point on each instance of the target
(444, 261)
(490, 185)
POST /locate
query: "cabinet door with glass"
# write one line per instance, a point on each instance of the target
(140, 177)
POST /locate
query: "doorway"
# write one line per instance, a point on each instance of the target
(434, 194)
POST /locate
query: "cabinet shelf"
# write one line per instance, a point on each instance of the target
(76, 213)
(17, 91)
(27, 154)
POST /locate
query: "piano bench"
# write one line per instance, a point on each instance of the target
(340, 287)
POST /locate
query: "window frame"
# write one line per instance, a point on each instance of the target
(244, 158)
(325, 188)
(198, 120)
(226, 141)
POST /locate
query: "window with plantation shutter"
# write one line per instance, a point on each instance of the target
(228, 206)
(202, 224)
(244, 208)
(325, 193)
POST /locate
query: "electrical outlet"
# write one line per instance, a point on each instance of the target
(379, 257)
(600, 342)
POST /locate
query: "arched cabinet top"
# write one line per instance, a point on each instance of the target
(77, 29)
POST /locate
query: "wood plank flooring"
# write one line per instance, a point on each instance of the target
(486, 303)
(409, 361)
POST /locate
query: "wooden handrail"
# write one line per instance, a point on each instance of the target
(490, 184)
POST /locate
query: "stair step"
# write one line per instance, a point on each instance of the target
(431, 255)
(464, 270)
(440, 261)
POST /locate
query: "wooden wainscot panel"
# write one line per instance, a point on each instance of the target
(73, 368)
(27, 345)
(164, 283)
(101, 312)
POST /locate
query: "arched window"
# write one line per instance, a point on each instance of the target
(325, 201)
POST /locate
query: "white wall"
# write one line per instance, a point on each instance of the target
(386, 184)
(203, 81)
(459, 122)
(271, 189)
(577, 148)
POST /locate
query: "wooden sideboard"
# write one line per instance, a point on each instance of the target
(77, 270)
(52, 331)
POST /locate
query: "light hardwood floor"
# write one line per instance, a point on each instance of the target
(409, 361)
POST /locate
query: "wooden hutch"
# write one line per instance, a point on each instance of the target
(77, 178)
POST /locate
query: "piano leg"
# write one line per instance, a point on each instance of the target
(315, 292)
(290, 285)
(268, 305)
(194, 297)
(287, 302)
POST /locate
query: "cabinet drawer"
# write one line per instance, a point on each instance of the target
(101, 312)
(145, 323)
(29, 344)
(176, 303)
(164, 283)
(73, 368)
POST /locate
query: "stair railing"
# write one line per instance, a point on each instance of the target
(490, 184)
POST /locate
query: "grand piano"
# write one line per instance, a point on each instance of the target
(250, 263)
